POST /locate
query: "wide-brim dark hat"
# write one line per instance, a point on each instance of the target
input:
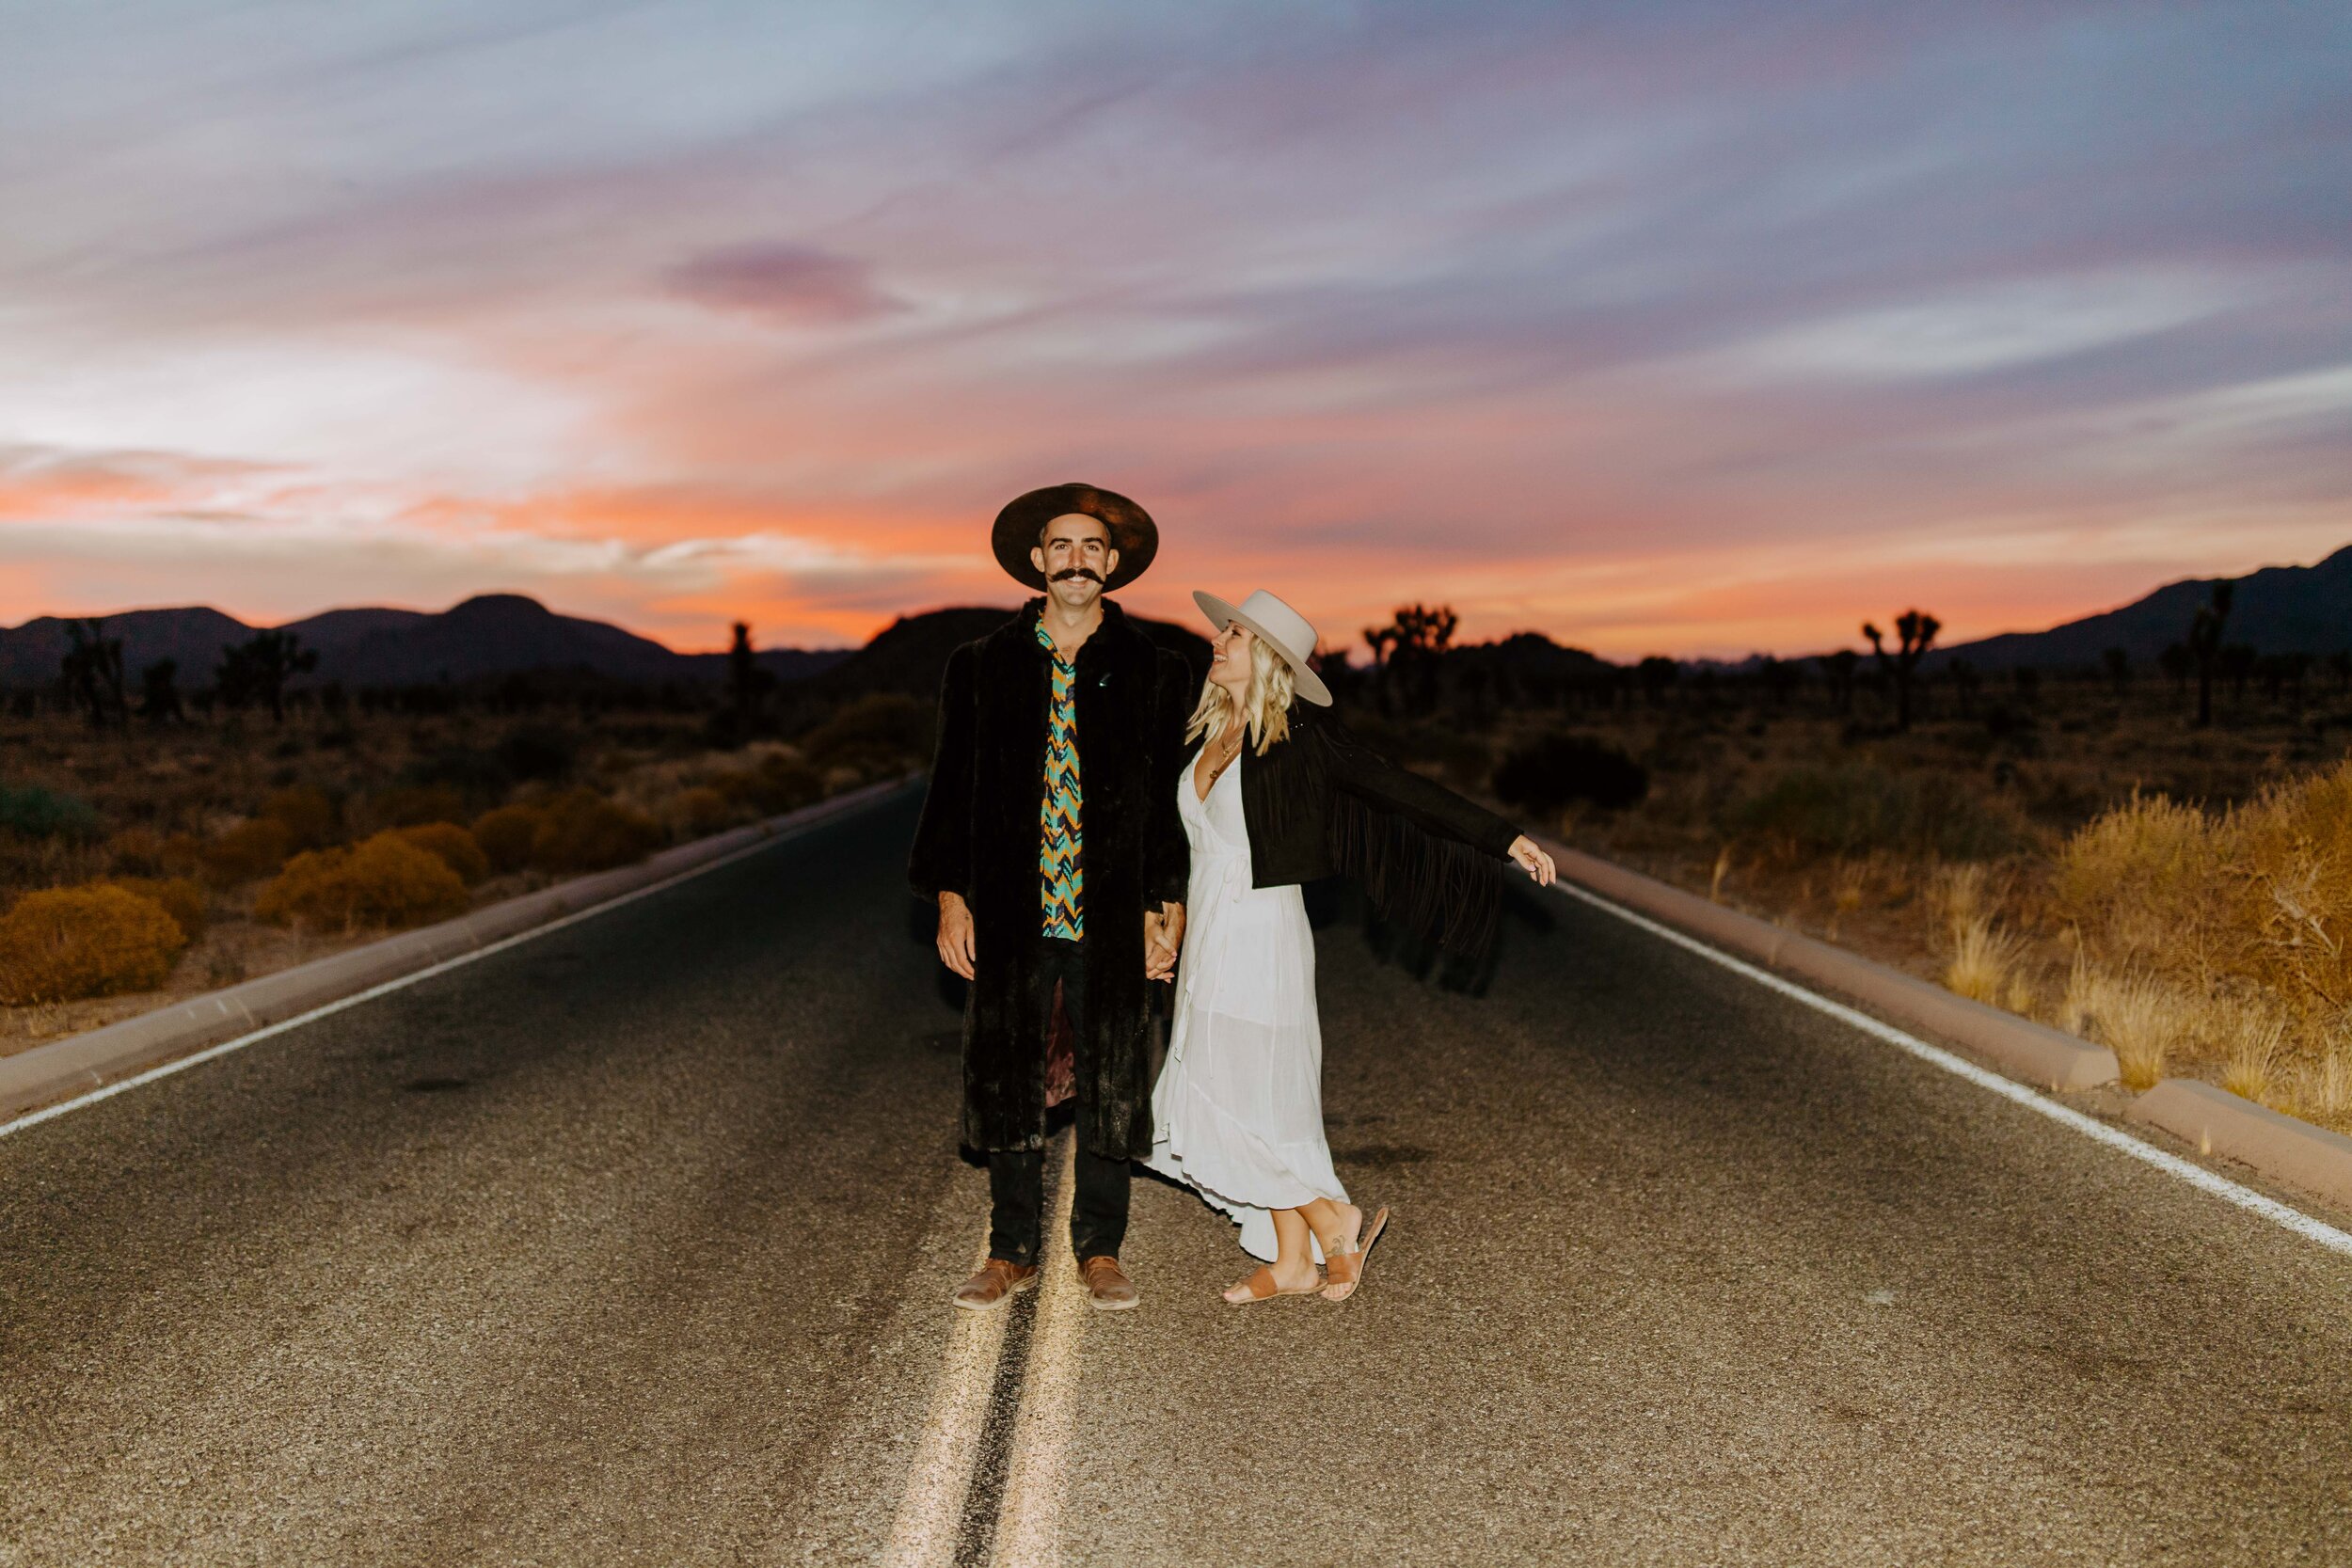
(1133, 533)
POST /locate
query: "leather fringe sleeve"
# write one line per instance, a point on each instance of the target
(1440, 890)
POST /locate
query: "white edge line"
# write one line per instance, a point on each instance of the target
(386, 988)
(2090, 1127)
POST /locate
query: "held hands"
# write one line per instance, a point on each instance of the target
(1163, 938)
(955, 934)
(1533, 861)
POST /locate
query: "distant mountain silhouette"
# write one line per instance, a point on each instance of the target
(2278, 609)
(493, 634)
(30, 654)
(909, 656)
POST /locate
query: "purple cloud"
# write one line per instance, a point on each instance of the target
(797, 285)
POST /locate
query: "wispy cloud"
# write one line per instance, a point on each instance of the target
(1669, 325)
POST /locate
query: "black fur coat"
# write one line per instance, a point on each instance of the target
(978, 837)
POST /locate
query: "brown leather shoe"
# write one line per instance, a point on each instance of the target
(996, 1283)
(1107, 1285)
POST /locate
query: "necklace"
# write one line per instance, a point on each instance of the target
(1218, 763)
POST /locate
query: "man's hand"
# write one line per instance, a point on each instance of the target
(1163, 940)
(955, 934)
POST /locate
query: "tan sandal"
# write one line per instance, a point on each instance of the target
(1262, 1287)
(1346, 1270)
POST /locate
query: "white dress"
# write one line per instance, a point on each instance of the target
(1237, 1112)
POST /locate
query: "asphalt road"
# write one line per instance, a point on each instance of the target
(633, 1244)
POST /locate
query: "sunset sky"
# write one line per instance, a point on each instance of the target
(1658, 325)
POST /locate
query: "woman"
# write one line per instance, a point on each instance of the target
(1237, 1112)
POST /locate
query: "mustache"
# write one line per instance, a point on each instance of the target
(1088, 573)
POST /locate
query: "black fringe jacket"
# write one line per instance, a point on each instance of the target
(1321, 803)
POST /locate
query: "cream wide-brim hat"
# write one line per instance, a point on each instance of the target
(1280, 627)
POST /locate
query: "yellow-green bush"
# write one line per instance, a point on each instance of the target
(454, 845)
(307, 813)
(506, 834)
(584, 832)
(181, 897)
(252, 848)
(62, 944)
(385, 880)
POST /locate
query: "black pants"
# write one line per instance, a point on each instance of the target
(1017, 1177)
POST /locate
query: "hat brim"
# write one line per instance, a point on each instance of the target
(1133, 535)
(1303, 678)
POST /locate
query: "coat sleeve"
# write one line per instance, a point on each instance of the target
(1429, 859)
(1171, 854)
(941, 859)
(1363, 774)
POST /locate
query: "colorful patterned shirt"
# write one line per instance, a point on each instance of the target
(1060, 867)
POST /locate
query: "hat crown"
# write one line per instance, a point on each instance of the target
(1293, 631)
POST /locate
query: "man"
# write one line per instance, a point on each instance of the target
(1051, 843)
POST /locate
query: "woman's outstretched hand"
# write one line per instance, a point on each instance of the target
(1533, 861)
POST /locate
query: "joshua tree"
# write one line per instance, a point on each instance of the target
(1839, 668)
(159, 692)
(92, 668)
(257, 671)
(2205, 645)
(1409, 649)
(1916, 629)
(746, 682)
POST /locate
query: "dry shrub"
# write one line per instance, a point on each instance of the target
(414, 805)
(1984, 956)
(255, 847)
(454, 845)
(505, 835)
(2323, 1086)
(307, 813)
(180, 896)
(2292, 851)
(2251, 1070)
(782, 782)
(584, 832)
(2137, 1017)
(1853, 808)
(2259, 898)
(1849, 883)
(700, 810)
(181, 855)
(137, 852)
(62, 944)
(385, 880)
(2139, 883)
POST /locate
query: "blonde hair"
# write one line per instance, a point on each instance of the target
(1270, 689)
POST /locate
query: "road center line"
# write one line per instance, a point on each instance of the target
(2090, 1127)
(981, 1451)
(1029, 1531)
